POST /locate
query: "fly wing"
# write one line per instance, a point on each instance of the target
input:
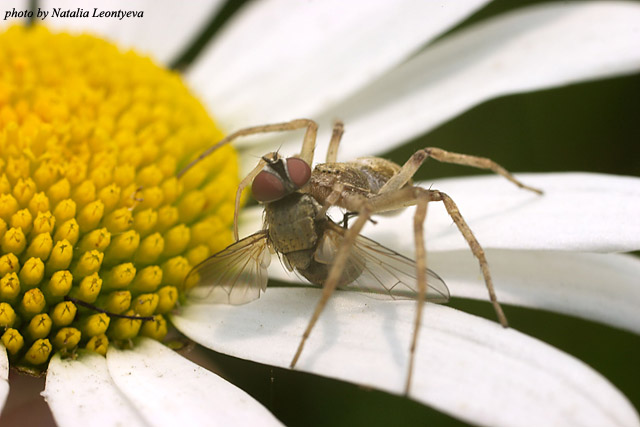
(385, 272)
(235, 275)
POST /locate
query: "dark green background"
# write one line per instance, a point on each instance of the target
(585, 127)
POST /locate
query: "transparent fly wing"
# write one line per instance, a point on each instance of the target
(383, 272)
(236, 275)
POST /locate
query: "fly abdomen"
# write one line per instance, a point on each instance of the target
(323, 258)
(318, 272)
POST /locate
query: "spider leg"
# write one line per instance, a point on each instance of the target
(421, 268)
(409, 195)
(413, 195)
(336, 136)
(336, 270)
(421, 198)
(474, 245)
(419, 157)
(306, 153)
(308, 144)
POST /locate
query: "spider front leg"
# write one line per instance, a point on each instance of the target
(396, 194)
(420, 156)
(306, 153)
(308, 144)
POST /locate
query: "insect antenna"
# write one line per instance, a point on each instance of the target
(108, 313)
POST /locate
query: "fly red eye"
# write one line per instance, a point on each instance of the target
(299, 171)
(267, 187)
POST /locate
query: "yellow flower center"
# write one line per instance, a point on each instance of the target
(93, 221)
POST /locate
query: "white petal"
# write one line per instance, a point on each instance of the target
(4, 376)
(578, 212)
(599, 287)
(278, 59)
(545, 46)
(466, 366)
(81, 392)
(171, 390)
(4, 364)
(14, 12)
(167, 26)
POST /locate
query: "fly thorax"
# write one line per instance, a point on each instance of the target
(292, 227)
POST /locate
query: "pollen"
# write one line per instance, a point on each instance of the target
(94, 223)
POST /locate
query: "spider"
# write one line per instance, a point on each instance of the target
(297, 228)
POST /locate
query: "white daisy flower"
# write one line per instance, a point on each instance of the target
(392, 71)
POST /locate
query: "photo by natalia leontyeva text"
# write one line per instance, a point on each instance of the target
(59, 12)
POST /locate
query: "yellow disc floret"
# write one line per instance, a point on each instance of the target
(94, 224)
